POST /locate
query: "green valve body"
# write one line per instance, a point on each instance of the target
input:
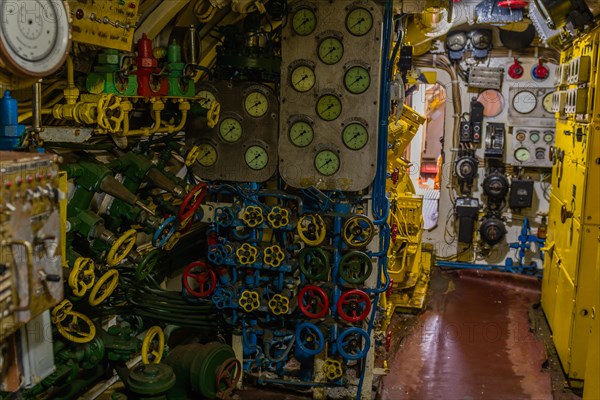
(105, 78)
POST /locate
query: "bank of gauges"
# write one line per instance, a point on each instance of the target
(359, 20)
(302, 78)
(481, 43)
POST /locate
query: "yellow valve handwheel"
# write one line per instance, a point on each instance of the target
(279, 304)
(332, 369)
(192, 156)
(274, 256)
(59, 313)
(147, 345)
(358, 231)
(121, 248)
(311, 229)
(99, 291)
(249, 300)
(172, 241)
(72, 330)
(253, 216)
(278, 217)
(213, 114)
(82, 276)
(110, 114)
(247, 254)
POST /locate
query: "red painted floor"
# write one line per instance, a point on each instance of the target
(473, 342)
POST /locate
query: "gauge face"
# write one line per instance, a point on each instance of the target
(329, 107)
(301, 133)
(327, 162)
(547, 102)
(205, 98)
(331, 50)
(207, 155)
(256, 104)
(230, 130)
(34, 36)
(534, 136)
(481, 39)
(302, 78)
(522, 154)
(548, 137)
(357, 80)
(524, 102)
(304, 21)
(355, 136)
(256, 157)
(456, 41)
(359, 21)
(521, 136)
(540, 153)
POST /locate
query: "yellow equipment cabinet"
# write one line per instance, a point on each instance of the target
(592, 371)
(569, 285)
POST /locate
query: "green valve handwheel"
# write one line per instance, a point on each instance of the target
(314, 263)
(355, 267)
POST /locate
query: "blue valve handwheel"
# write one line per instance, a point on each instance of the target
(216, 254)
(349, 343)
(309, 338)
(164, 232)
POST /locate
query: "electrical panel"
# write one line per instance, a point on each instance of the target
(532, 146)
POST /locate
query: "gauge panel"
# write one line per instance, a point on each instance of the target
(533, 142)
(530, 106)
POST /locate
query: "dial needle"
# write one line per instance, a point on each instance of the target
(327, 162)
(357, 80)
(360, 21)
(331, 50)
(258, 103)
(303, 78)
(205, 154)
(301, 134)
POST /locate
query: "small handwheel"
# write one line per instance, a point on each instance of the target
(164, 232)
(332, 369)
(355, 267)
(224, 216)
(147, 265)
(192, 156)
(121, 248)
(247, 254)
(153, 346)
(104, 287)
(309, 338)
(223, 297)
(353, 343)
(313, 302)
(213, 114)
(253, 216)
(205, 279)
(82, 276)
(279, 304)
(110, 115)
(191, 202)
(249, 300)
(228, 376)
(311, 229)
(354, 305)
(273, 256)
(358, 231)
(314, 263)
(278, 217)
(217, 254)
(72, 325)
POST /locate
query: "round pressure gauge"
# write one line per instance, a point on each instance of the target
(522, 154)
(547, 102)
(329, 107)
(540, 153)
(256, 104)
(34, 36)
(524, 102)
(327, 162)
(456, 41)
(357, 80)
(205, 98)
(301, 133)
(548, 137)
(331, 50)
(230, 129)
(207, 156)
(534, 136)
(302, 78)
(481, 39)
(359, 21)
(256, 157)
(520, 136)
(355, 136)
(304, 21)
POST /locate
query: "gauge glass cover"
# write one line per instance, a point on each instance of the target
(355, 136)
(256, 157)
(359, 21)
(357, 80)
(206, 98)
(256, 104)
(534, 136)
(521, 136)
(327, 162)
(481, 39)
(230, 130)
(548, 137)
(302, 78)
(547, 102)
(207, 156)
(304, 21)
(301, 133)
(331, 50)
(524, 102)
(329, 107)
(522, 154)
(456, 41)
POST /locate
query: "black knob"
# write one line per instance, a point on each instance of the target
(53, 278)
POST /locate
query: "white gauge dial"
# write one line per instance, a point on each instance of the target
(230, 130)
(301, 133)
(256, 104)
(302, 78)
(522, 154)
(359, 21)
(34, 36)
(524, 102)
(256, 157)
(207, 156)
(547, 102)
(205, 98)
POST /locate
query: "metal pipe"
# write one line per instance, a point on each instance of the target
(37, 107)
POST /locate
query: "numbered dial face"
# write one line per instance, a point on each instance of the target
(256, 104)
(481, 39)
(355, 136)
(301, 133)
(256, 158)
(359, 21)
(327, 162)
(547, 102)
(548, 137)
(521, 135)
(522, 154)
(456, 41)
(329, 107)
(207, 156)
(304, 21)
(205, 98)
(534, 136)
(357, 80)
(302, 78)
(230, 130)
(34, 36)
(331, 50)
(524, 102)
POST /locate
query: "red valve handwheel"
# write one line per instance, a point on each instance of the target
(349, 305)
(313, 302)
(512, 4)
(205, 277)
(191, 202)
(228, 376)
